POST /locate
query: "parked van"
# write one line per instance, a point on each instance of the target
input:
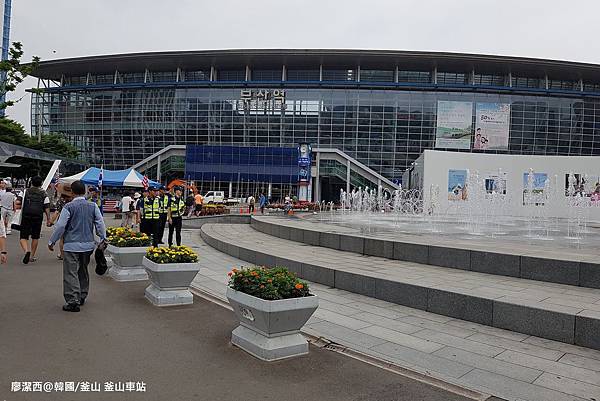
(214, 197)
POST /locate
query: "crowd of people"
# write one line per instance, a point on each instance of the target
(78, 223)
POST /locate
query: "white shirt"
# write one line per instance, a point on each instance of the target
(7, 200)
(126, 204)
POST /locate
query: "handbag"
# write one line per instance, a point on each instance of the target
(101, 263)
(15, 222)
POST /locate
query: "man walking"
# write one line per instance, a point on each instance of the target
(198, 200)
(36, 204)
(127, 210)
(262, 202)
(7, 202)
(251, 202)
(176, 211)
(76, 227)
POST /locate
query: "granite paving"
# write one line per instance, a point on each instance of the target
(545, 296)
(509, 365)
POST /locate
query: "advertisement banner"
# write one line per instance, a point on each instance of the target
(495, 182)
(457, 182)
(454, 125)
(538, 183)
(492, 125)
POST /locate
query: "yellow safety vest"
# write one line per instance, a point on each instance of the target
(151, 209)
(177, 207)
(163, 204)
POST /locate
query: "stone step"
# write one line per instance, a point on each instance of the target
(542, 264)
(559, 312)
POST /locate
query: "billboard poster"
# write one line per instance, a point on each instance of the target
(454, 125)
(581, 184)
(492, 125)
(538, 182)
(457, 182)
(495, 183)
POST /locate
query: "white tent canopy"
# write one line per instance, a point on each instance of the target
(110, 178)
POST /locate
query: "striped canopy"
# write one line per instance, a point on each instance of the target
(110, 178)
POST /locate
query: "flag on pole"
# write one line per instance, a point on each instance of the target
(145, 182)
(100, 177)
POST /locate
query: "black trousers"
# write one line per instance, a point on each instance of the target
(175, 226)
(149, 227)
(162, 222)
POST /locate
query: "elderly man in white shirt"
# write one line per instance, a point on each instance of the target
(128, 210)
(7, 207)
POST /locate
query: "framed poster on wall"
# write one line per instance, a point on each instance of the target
(454, 125)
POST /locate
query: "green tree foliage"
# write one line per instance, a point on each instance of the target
(13, 132)
(55, 143)
(14, 72)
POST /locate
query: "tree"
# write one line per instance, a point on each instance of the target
(57, 144)
(13, 132)
(12, 72)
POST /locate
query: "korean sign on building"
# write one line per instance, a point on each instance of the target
(262, 100)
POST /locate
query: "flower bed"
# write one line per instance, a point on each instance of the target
(212, 210)
(170, 270)
(268, 284)
(174, 254)
(122, 237)
(272, 305)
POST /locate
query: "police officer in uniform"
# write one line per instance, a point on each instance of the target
(176, 211)
(149, 214)
(163, 210)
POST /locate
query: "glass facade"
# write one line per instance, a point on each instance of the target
(382, 117)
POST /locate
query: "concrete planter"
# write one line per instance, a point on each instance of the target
(270, 330)
(170, 282)
(127, 263)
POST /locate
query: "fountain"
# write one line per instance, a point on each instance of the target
(482, 213)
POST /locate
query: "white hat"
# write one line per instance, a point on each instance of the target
(136, 195)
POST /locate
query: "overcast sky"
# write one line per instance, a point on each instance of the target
(556, 29)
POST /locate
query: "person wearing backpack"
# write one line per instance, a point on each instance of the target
(36, 204)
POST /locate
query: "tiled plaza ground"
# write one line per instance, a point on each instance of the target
(565, 300)
(503, 363)
(180, 353)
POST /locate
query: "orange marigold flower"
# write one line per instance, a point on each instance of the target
(234, 270)
(254, 273)
(299, 286)
(269, 280)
